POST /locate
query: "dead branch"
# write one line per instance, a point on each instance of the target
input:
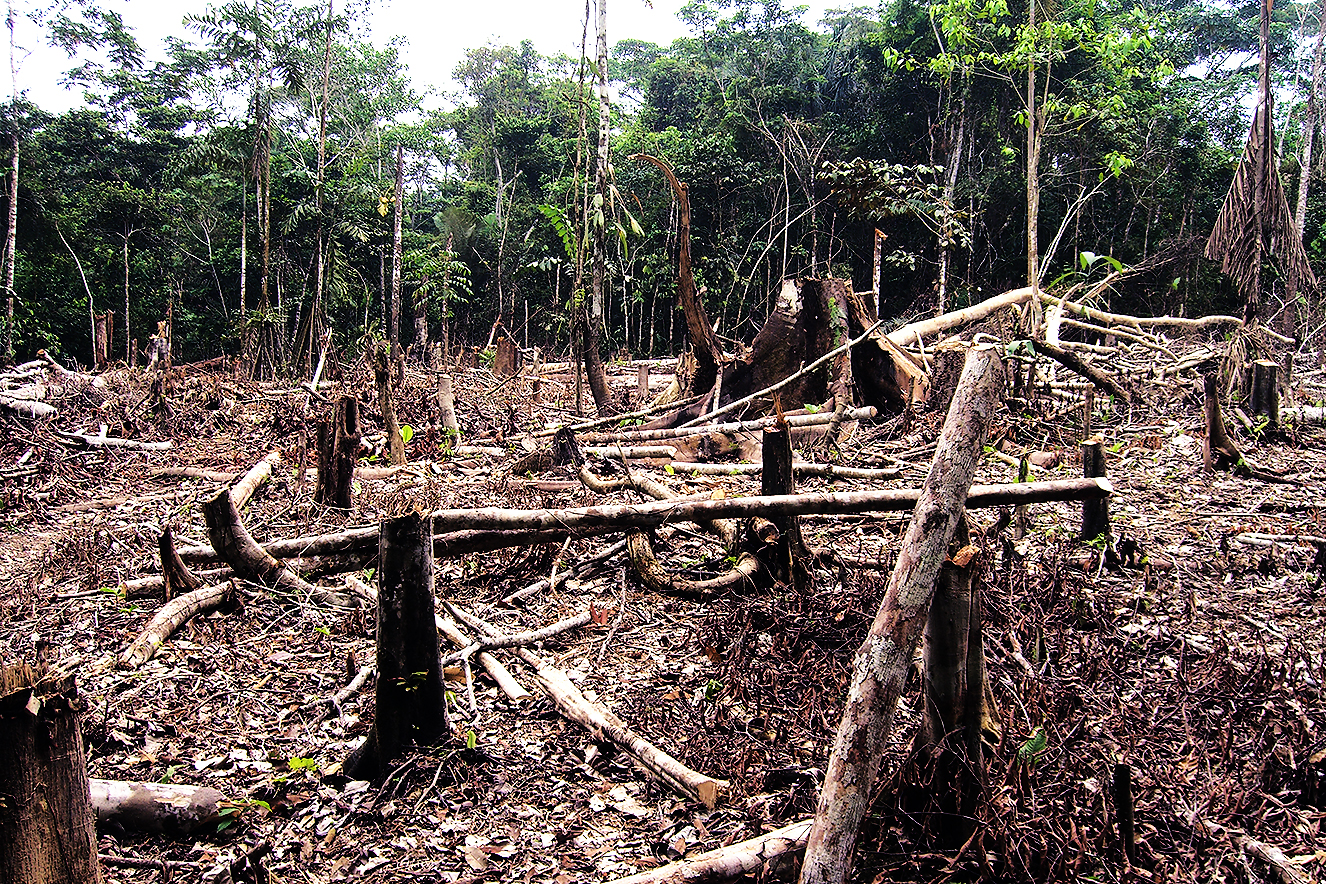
(517, 639)
(1073, 363)
(656, 577)
(605, 725)
(654, 515)
(794, 420)
(904, 337)
(176, 578)
(514, 690)
(749, 857)
(172, 615)
(111, 442)
(800, 468)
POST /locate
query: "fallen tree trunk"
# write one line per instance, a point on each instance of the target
(794, 420)
(752, 857)
(907, 335)
(112, 442)
(237, 549)
(886, 655)
(603, 724)
(172, 615)
(27, 407)
(652, 515)
(254, 479)
(157, 808)
(799, 468)
(1073, 363)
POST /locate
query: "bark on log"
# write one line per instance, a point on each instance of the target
(338, 448)
(411, 704)
(799, 468)
(175, 577)
(47, 829)
(175, 811)
(517, 639)
(604, 725)
(658, 578)
(254, 479)
(756, 856)
(236, 547)
(112, 442)
(1218, 451)
(653, 515)
(886, 655)
(172, 615)
(794, 420)
(905, 336)
(27, 407)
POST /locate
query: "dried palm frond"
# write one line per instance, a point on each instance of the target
(1255, 228)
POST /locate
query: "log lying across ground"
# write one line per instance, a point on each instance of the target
(160, 808)
(726, 863)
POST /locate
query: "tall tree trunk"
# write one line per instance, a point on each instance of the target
(243, 246)
(11, 244)
(128, 342)
(1033, 182)
(1310, 123)
(946, 223)
(598, 224)
(321, 255)
(399, 212)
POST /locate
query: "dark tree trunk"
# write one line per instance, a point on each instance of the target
(47, 828)
(411, 698)
(790, 565)
(338, 448)
(1095, 513)
(382, 372)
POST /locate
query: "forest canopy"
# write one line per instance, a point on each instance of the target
(248, 180)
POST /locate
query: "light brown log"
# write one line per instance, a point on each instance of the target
(237, 549)
(172, 615)
(112, 442)
(446, 409)
(156, 808)
(886, 655)
(27, 407)
(653, 515)
(605, 725)
(1203, 322)
(658, 578)
(47, 829)
(254, 479)
(793, 420)
(799, 468)
(749, 857)
(906, 336)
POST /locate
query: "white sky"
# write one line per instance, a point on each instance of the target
(438, 33)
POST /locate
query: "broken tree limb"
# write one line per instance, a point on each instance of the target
(516, 639)
(175, 577)
(749, 857)
(905, 336)
(653, 575)
(1091, 313)
(514, 690)
(111, 442)
(653, 515)
(794, 420)
(254, 479)
(886, 655)
(172, 615)
(236, 547)
(605, 725)
(1073, 363)
(790, 379)
(156, 808)
(799, 468)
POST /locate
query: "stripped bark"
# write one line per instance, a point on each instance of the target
(886, 655)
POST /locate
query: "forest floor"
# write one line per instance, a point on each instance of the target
(1200, 661)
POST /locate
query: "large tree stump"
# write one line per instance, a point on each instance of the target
(1265, 393)
(338, 449)
(411, 698)
(507, 361)
(886, 655)
(47, 828)
(446, 409)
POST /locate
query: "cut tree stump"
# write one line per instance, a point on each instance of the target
(47, 828)
(446, 410)
(1095, 513)
(338, 449)
(1265, 392)
(886, 655)
(411, 706)
(791, 564)
(955, 693)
